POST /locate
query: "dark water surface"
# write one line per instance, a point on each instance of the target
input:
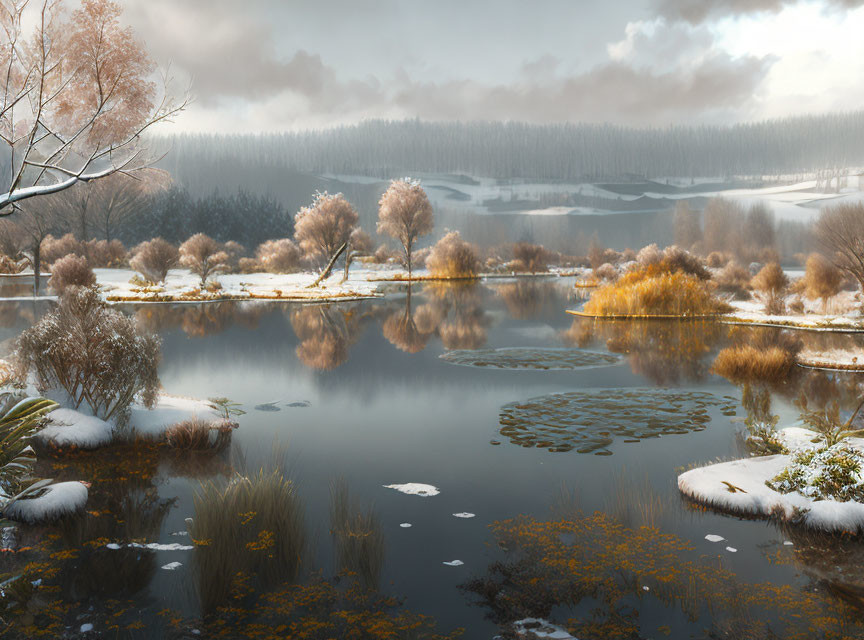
(384, 408)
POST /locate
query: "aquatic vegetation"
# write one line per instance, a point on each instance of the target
(760, 422)
(601, 574)
(226, 407)
(590, 421)
(357, 537)
(832, 471)
(530, 358)
(754, 362)
(652, 291)
(250, 529)
(197, 435)
(828, 423)
(97, 355)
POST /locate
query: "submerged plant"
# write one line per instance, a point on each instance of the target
(357, 536)
(96, 354)
(760, 422)
(828, 423)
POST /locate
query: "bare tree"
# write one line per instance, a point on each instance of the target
(118, 198)
(324, 228)
(688, 230)
(404, 213)
(840, 231)
(37, 219)
(822, 280)
(76, 96)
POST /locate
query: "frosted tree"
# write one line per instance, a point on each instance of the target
(404, 213)
(840, 231)
(76, 95)
(324, 228)
(204, 257)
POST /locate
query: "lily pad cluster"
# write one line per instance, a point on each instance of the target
(590, 421)
(531, 358)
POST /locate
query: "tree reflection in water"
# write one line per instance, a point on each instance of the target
(200, 320)
(665, 352)
(528, 299)
(400, 329)
(325, 333)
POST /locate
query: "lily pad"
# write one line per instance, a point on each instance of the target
(590, 421)
(542, 358)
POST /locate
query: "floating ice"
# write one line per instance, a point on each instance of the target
(454, 563)
(540, 628)
(414, 489)
(154, 546)
(86, 627)
(463, 514)
(172, 565)
(788, 543)
(405, 525)
(646, 588)
(731, 549)
(713, 537)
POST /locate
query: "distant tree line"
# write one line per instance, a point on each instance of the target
(386, 149)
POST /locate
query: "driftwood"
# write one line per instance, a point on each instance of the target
(326, 273)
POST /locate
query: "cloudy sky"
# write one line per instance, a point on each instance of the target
(272, 65)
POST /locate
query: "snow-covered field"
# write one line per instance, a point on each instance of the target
(845, 316)
(183, 286)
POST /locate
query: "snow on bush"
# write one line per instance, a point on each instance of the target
(204, 257)
(279, 256)
(71, 270)
(154, 258)
(452, 257)
(97, 355)
(826, 473)
(56, 501)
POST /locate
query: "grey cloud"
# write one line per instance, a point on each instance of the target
(698, 11)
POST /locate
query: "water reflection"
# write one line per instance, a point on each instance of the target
(400, 328)
(666, 353)
(456, 313)
(529, 299)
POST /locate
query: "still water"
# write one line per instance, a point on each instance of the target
(364, 396)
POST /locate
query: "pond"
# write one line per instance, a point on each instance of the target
(517, 434)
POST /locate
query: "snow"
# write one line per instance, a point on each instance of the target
(713, 537)
(153, 546)
(172, 565)
(463, 514)
(847, 316)
(405, 525)
(414, 489)
(749, 495)
(169, 410)
(731, 549)
(536, 628)
(181, 285)
(86, 627)
(71, 428)
(454, 563)
(832, 359)
(60, 499)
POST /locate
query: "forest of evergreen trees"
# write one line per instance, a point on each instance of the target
(591, 152)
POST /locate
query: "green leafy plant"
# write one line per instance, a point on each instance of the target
(828, 472)
(226, 407)
(18, 422)
(830, 426)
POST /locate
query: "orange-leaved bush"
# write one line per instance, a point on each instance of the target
(652, 291)
(452, 257)
(279, 256)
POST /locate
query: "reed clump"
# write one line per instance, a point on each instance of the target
(653, 291)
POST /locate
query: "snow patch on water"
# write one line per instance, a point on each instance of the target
(713, 537)
(405, 525)
(414, 489)
(463, 514)
(454, 563)
(172, 565)
(540, 628)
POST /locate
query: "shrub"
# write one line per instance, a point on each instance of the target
(279, 256)
(96, 354)
(650, 291)
(154, 258)
(248, 265)
(104, 254)
(52, 249)
(716, 259)
(69, 271)
(8, 265)
(747, 363)
(452, 257)
(649, 255)
(235, 252)
(203, 256)
(822, 279)
(733, 279)
(832, 472)
(606, 272)
(530, 258)
(200, 435)
(772, 282)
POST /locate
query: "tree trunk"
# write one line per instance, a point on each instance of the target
(347, 263)
(326, 273)
(37, 267)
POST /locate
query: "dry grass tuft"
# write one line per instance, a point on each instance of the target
(200, 435)
(746, 363)
(651, 291)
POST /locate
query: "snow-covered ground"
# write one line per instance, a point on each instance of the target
(183, 286)
(739, 487)
(832, 359)
(845, 314)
